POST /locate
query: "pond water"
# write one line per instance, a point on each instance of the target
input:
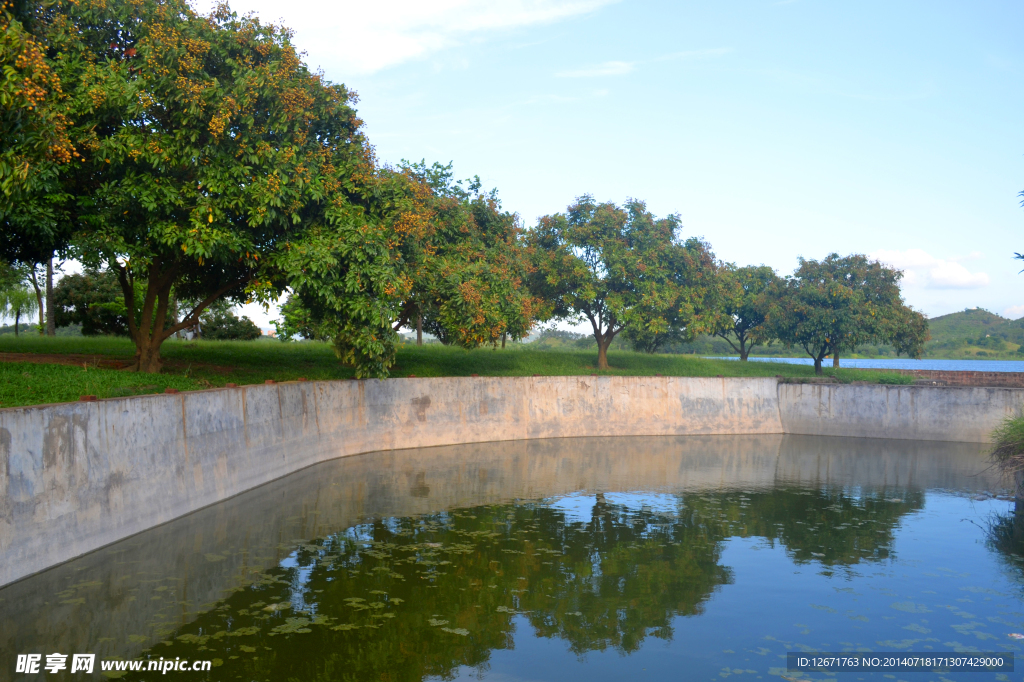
(692, 558)
(905, 363)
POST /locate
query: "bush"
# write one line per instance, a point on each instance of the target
(1008, 451)
(219, 324)
(93, 301)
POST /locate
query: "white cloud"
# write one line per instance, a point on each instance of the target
(606, 69)
(615, 68)
(1014, 312)
(363, 37)
(924, 270)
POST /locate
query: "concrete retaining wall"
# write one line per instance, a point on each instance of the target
(78, 476)
(966, 415)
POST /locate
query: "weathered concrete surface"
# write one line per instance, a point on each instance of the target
(78, 476)
(963, 414)
(119, 600)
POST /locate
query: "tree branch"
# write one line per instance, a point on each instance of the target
(728, 341)
(193, 317)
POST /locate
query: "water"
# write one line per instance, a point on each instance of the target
(906, 363)
(597, 559)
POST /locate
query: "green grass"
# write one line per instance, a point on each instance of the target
(1008, 451)
(205, 364)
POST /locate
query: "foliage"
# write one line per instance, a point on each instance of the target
(833, 305)
(622, 268)
(92, 299)
(906, 329)
(296, 321)
(1008, 451)
(745, 306)
(344, 276)
(35, 144)
(462, 256)
(16, 299)
(218, 323)
(212, 149)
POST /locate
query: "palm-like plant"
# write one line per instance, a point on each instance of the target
(17, 300)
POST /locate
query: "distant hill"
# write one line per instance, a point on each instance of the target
(973, 330)
(970, 323)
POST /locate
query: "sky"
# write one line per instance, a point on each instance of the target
(774, 129)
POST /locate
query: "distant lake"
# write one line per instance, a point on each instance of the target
(906, 363)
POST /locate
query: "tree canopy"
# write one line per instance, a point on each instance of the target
(463, 257)
(36, 141)
(745, 305)
(622, 268)
(210, 151)
(832, 305)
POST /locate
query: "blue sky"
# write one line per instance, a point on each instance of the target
(774, 129)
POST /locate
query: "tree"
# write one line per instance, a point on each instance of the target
(745, 307)
(35, 141)
(622, 268)
(212, 153)
(36, 147)
(15, 298)
(835, 304)
(93, 299)
(462, 255)
(220, 324)
(296, 321)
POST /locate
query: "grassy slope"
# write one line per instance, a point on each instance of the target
(969, 326)
(198, 365)
(966, 324)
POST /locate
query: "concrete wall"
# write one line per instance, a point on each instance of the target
(78, 476)
(967, 415)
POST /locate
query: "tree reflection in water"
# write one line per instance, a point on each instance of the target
(1005, 534)
(406, 598)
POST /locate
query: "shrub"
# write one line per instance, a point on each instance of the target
(1008, 451)
(219, 324)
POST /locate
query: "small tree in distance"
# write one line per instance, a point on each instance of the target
(838, 303)
(620, 268)
(745, 307)
(15, 297)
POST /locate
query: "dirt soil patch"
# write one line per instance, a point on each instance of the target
(93, 361)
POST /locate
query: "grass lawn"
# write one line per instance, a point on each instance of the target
(35, 370)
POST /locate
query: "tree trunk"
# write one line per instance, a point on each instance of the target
(835, 360)
(149, 333)
(17, 321)
(419, 329)
(51, 329)
(503, 335)
(602, 352)
(817, 365)
(39, 298)
(744, 352)
(147, 355)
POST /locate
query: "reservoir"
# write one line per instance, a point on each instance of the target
(685, 557)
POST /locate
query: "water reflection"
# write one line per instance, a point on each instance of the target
(415, 563)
